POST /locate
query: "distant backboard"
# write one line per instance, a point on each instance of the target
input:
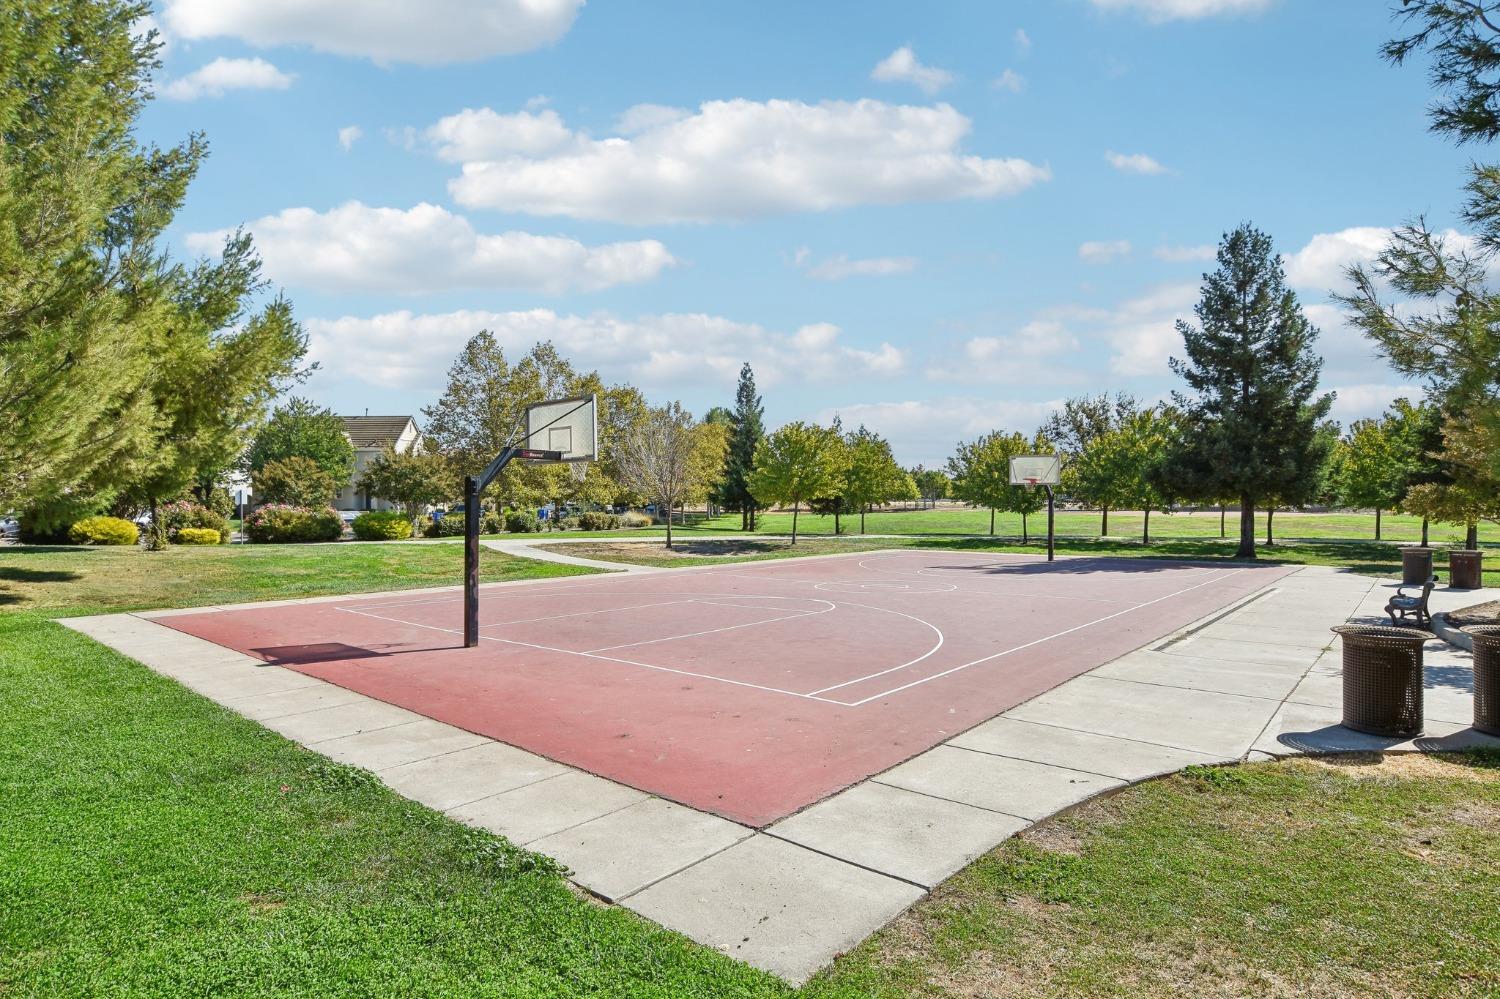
(568, 426)
(1035, 470)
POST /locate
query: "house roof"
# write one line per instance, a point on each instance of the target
(374, 431)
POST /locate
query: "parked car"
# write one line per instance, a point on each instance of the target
(10, 528)
(347, 516)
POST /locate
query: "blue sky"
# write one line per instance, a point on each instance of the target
(936, 219)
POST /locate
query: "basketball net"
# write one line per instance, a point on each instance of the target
(580, 470)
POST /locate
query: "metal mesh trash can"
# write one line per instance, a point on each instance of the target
(1486, 677)
(1465, 569)
(1416, 566)
(1383, 679)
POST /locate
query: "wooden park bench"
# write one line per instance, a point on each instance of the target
(1403, 605)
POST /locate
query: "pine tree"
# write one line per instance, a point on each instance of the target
(748, 429)
(82, 205)
(1253, 414)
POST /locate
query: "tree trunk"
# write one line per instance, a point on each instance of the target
(156, 539)
(1247, 529)
(1270, 513)
(992, 521)
(1104, 521)
(861, 520)
(1222, 532)
(1471, 538)
(1146, 528)
(1424, 532)
(794, 521)
(837, 527)
(1377, 523)
(669, 524)
(1025, 534)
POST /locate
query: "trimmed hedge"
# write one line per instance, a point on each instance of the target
(382, 525)
(277, 523)
(196, 536)
(104, 531)
(522, 522)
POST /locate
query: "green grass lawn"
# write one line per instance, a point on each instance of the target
(157, 844)
(73, 580)
(1371, 558)
(1122, 524)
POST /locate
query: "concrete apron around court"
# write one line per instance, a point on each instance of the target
(1258, 680)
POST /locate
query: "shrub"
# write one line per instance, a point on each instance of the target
(562, 524)
(635, 519)
(382, 525)
(185, 513)
(522, 522)
(279, 523)
(294, 481)
(450, 526)
(598, 520)
(104, 531)
(491, 522)
(196, 536)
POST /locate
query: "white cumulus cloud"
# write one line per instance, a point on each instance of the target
(349, 135)
(1103, 251)
(1009, 80)
(1022, 40)
(426, 248)
(840, 266)
(432, 33)
(734, 159)
(1183, 254)
(926, 430)
(223, 75)
(902, 66)
(1182, 10)
(1135, 163)
(1321, 263)
(655, 352)
(1023, 357)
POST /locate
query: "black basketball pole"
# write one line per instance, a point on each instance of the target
(1049, 524)
(474, 486)
(471, 561)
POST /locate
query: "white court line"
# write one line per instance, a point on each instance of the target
(1039, 641)
(609, 659)
(715, 631)
(597, 610)
(941, 638)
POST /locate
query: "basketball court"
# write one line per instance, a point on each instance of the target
(749, 690)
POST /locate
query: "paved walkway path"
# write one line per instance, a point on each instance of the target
(1258, 680)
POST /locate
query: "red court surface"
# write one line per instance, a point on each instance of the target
(748, 690)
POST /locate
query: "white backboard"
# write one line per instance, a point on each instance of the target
(567, 425)
(1035, 470)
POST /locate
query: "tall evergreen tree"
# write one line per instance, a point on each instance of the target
(748, 428)
(1253, 412)
(114, 368)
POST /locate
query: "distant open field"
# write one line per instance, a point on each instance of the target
(954, 520)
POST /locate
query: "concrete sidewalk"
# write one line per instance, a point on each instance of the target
(1254, 681)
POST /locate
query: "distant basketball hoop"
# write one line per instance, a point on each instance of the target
(1045, 470)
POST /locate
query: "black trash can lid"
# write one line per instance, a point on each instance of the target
(1376, 632)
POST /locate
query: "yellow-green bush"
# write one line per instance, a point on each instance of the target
(197, 536)
(104, 531)
(382, 525)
